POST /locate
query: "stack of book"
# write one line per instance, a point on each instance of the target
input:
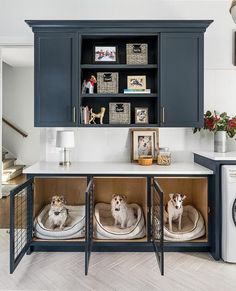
(137, 91)
(84, 115)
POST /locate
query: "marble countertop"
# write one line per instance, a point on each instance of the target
(228, 156)
(116, 168)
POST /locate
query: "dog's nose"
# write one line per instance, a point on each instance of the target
(117, 202)
(176, 207)
(56, 213)
(144, 144)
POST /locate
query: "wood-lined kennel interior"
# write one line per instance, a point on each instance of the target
(135, 190)
(196, 191)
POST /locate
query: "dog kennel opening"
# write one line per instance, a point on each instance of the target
(134, 188)
(196, 191)
(72, 188)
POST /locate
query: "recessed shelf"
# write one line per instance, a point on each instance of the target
(117, 66)
(119, 95)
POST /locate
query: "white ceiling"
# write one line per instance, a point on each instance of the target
(18, 56)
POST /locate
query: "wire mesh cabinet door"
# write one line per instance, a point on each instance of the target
(158, 224)
(21, 224)
(89, 223)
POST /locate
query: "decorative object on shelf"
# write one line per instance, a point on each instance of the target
(105, 54)
(84, 114)
(144, 142)
(136, 82)
(141, 115)
(107, 82)
(233, 10)
(136, 53)
(222, 125)
(137, 91)
(99, 115)
(119, 113)
(66, 140)
(88, 85)
(145, 160)
(164, 157)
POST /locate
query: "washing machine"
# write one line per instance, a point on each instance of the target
(228, 239)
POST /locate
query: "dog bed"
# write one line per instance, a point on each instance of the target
(74, 229)
(104, 227)
(193, 226)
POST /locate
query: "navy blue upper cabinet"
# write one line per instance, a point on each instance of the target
(64, 58)
(181, 79)
(55, 79)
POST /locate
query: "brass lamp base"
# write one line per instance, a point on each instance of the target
(65, 164)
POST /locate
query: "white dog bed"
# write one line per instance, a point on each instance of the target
(104, 224)
(193, 226)
(74, 229)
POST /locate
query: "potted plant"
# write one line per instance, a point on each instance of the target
(222, 125)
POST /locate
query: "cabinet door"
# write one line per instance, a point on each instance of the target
(89, 223)
(157, 219)
(55, 79)
(21, 222)
(181, 79)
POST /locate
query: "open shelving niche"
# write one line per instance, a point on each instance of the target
(87, 67)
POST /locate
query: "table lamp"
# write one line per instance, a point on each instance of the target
(66, 140)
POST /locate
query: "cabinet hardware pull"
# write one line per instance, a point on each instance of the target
(73, 114)
(163, 114)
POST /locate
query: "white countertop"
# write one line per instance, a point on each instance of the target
(228, 156)
(117, 168)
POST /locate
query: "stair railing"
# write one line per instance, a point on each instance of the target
(13, 126)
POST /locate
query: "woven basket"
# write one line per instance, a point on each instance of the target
(145, 160)
(107, 82)
(136, 53)
(119, 113)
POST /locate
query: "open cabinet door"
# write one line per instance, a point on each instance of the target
(158, 224)
(21, 222)
(89, 223)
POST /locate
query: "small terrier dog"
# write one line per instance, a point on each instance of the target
(58, 213)
(174, 209)
(122, 213)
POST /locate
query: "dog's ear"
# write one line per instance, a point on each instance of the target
(171, 196)
(62, 199)
(183, 196)
(124, 197)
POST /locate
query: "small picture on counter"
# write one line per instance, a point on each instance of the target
(136, 82)
(141, 115)
(144, 143)
(105, 54)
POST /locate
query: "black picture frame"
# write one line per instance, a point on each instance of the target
(105, 61)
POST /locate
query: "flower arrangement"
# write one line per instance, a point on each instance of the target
(219, 122)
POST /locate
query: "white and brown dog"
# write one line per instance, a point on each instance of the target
(144, 146)
(174, 209)
(58, 213)
(122, 213)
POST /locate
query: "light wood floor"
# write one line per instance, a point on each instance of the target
(115, 271)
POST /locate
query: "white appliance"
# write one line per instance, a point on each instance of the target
(229, 213)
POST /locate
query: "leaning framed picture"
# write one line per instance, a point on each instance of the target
(136, 82)
(144, 142)
(141, 115)
(105, 54)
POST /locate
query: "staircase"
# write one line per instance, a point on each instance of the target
(10, 169)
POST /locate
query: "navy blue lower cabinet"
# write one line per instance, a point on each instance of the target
(181, 79)
(56, 93)
(151, 193)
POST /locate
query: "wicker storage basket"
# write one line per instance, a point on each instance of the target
(119, 113)
(136, 53)
(107, 82)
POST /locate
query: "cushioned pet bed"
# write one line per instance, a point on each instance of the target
(74, 229)
(192, 226)
(104, 224)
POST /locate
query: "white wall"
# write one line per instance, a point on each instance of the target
(18, 102)
(220, 74)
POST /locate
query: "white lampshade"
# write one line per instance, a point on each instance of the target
(65, 139)
(233, 10)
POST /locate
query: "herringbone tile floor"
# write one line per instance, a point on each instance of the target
(115, 271)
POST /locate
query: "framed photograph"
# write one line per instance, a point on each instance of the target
(141, 115)
(136, 82)
(105, 54)
(144, 142)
